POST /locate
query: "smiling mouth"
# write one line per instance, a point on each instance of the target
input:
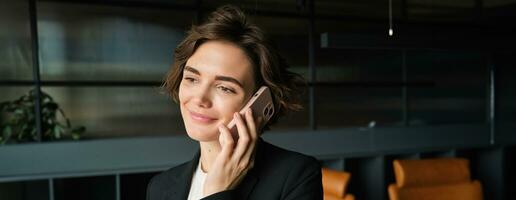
(201, 118)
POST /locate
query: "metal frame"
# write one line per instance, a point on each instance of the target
(311, 65)
(35, 65)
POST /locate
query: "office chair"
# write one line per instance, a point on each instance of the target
(335, 184)
(434, 179)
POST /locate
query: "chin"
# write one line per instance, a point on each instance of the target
(203, 134)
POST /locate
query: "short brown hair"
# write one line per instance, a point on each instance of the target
(229, 23)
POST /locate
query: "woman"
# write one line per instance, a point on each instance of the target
(217, 68)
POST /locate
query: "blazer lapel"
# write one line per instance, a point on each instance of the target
(178, 190)
(247, 185)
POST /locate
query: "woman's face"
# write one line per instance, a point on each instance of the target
(217, 79)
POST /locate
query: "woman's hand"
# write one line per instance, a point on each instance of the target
(233, 162)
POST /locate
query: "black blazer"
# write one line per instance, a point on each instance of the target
(277, 174)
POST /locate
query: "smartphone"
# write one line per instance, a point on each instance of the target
(262, 106)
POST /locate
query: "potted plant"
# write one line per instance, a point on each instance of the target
(18, 120)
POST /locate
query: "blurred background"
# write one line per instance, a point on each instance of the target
(442, 85)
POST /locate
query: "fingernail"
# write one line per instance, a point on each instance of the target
(250, 111)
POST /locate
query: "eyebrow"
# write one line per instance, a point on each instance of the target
(221, 78)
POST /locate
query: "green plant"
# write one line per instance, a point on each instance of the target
(18, 120)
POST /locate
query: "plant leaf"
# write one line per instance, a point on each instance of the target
(57, 132)
(19, 111)
(33, 133)
(7, 132)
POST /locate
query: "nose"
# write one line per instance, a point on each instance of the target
(202, 97)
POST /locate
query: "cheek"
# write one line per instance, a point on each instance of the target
(182, 94)
(227, 106)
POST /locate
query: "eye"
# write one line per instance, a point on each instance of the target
(190, 79)
(226, 89)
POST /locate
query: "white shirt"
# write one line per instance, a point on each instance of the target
(197, 183)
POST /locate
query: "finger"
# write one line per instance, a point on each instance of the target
(226, 142)
(249, 154)
(248, 158)
(251, 125)
(243, 138)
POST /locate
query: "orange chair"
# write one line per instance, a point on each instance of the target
(434, 179)
(334, 184)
